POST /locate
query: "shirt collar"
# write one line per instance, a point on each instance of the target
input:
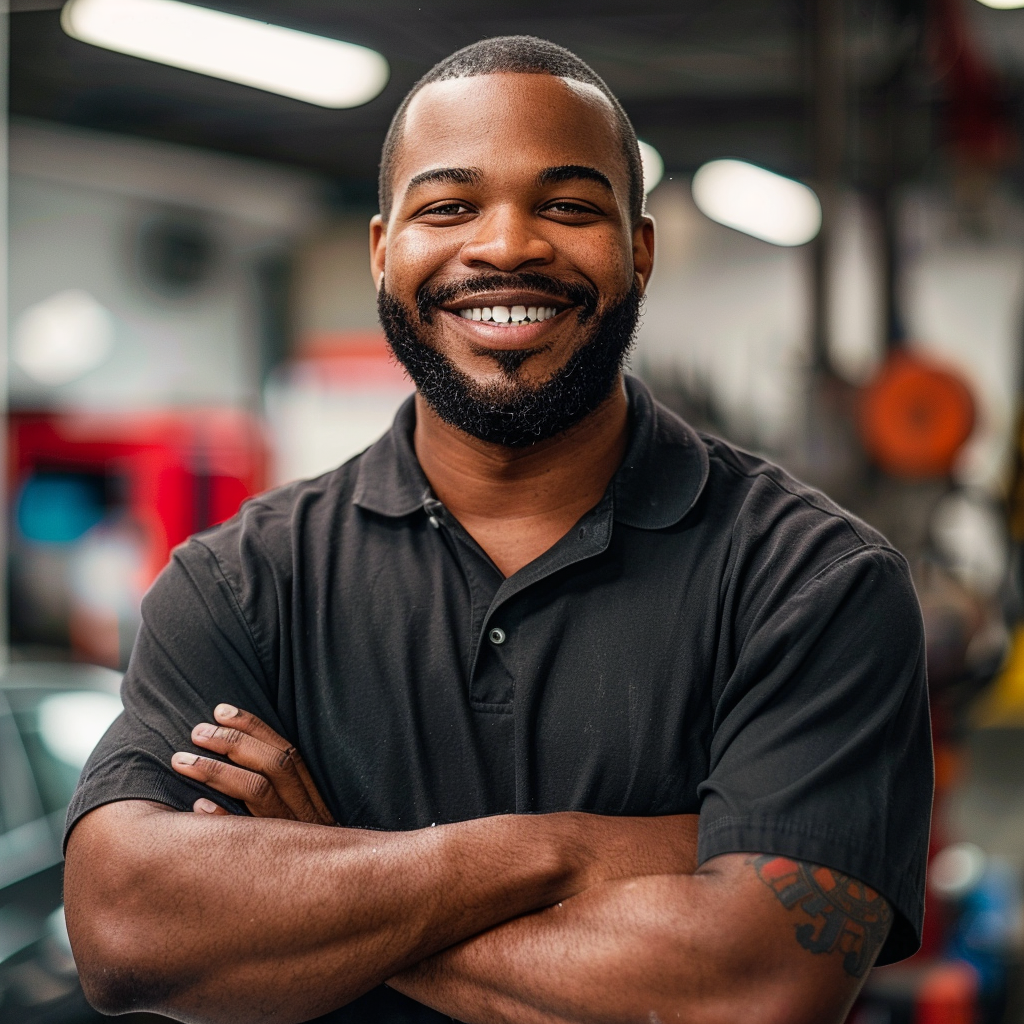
(660, 479)
(665, 468)
(390, 480)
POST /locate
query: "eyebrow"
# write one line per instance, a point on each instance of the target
(573, 172)
(447, 175)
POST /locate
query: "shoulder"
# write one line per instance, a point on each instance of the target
(270, 532)
(766, 491)
(766, 499)
(785, 536)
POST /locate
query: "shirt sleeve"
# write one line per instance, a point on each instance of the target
(821, 749)
(194, 651)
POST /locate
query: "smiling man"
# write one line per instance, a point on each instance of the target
(545, 708)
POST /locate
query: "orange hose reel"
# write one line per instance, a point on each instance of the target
(915, 416)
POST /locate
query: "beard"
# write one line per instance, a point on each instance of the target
(511, 411)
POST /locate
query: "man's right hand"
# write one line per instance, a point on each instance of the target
(273, 780)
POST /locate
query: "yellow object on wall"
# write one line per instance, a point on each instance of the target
(1004, 704)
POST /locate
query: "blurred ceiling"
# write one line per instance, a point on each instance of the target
(699, 79)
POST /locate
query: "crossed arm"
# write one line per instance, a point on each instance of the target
(547, 918)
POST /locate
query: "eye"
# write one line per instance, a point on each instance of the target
(572, 209)
(447, 209)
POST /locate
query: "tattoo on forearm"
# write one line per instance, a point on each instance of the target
(844, 914)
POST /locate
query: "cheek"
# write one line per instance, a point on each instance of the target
(603, 256)
(415, 256)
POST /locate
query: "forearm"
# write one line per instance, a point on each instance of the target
(191, 915)
(703, 949)
(598, 956)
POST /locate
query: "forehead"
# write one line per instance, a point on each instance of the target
(491, 120)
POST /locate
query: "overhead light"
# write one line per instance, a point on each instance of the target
(327, 72)
(653, 165)
(63, 337)
(1003, 5)
(757, 202)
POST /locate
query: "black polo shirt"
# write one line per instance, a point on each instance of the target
(712, 637)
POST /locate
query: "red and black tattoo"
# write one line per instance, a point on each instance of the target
(844, 914)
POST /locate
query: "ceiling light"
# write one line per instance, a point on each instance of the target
(757, 202)
(327, 72)
(63, 337)
(653, 165)
(1003, 5)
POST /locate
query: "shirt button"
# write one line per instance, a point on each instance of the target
(496, 636)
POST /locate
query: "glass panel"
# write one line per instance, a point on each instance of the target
(59, 729)
(19, 799)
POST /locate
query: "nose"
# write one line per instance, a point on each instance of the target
(506, 239)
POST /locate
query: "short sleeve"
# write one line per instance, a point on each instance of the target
(194, 651)
(821, 748)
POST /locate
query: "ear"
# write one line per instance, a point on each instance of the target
(643, 251)
(378, 246)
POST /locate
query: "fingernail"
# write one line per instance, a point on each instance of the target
(182, 758)
(204, 729)
(225, 711)
(207, 806)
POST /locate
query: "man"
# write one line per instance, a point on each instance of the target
(521, 643)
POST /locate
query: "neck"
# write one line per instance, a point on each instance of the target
(517, 502)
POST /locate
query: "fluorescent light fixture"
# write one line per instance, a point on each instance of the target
(1003, 5)
(653, 165)
(757, 202)
(63, 337)
(327, 72)
(71, 724)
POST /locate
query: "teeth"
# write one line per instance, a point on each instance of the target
(508, 317)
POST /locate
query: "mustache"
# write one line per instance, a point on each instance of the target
(575, 293)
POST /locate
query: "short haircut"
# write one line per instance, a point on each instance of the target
(523, 55)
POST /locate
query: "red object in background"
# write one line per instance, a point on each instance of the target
(915, 416)
(978, 120)
(180, 472)
(352, 359)
(948, 995)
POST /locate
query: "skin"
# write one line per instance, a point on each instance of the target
(544, 918)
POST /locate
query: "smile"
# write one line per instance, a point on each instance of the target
(509, 316)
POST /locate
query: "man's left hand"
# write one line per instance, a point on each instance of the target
(272, 780)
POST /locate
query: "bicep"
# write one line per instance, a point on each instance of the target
(99, 846)
(822, 747)
(101, 835)
(808, 933)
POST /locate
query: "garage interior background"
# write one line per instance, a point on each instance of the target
(192, 320)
